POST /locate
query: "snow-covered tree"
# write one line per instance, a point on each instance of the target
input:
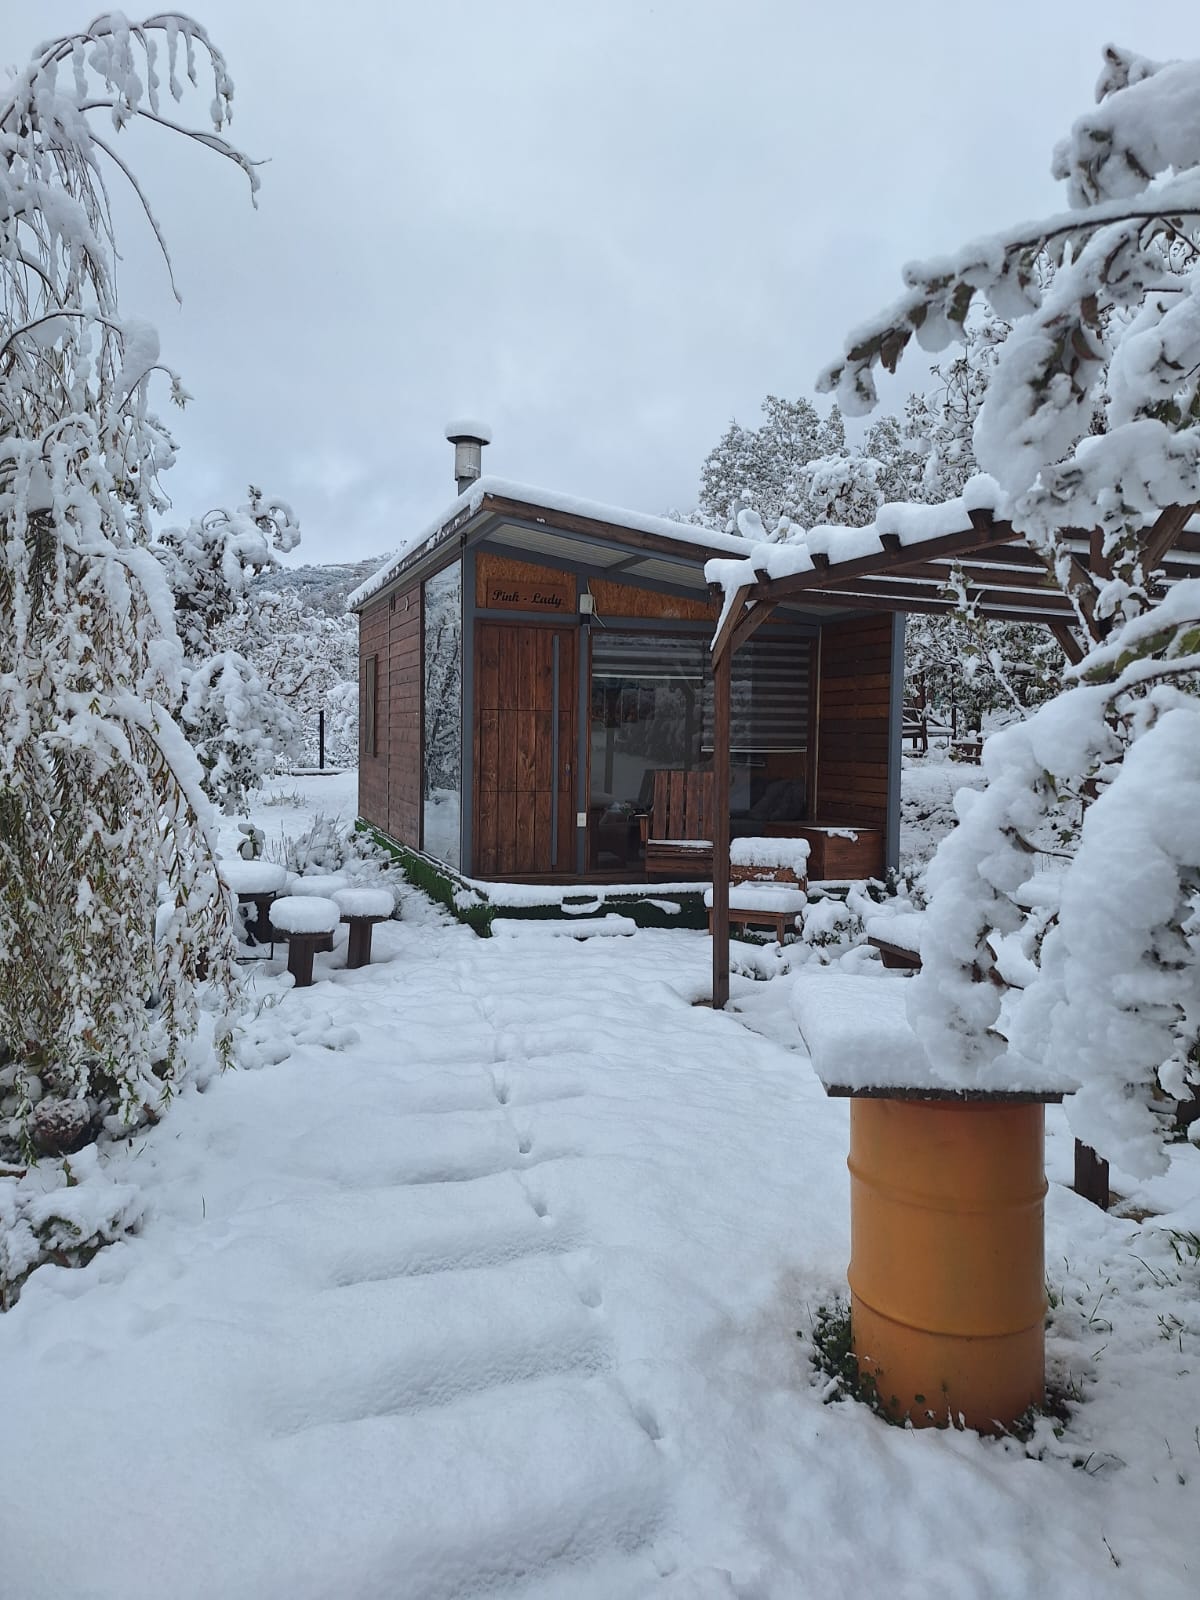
(760, 467)
(233, 717)
(110, 907)
(1091, 420)
(308, 663)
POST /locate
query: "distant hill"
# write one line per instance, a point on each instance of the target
(323, 587)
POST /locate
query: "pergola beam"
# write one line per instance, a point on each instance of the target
(1165, 534)
(884, 561)
(1067, 642)
(752, 619)
(733, 615)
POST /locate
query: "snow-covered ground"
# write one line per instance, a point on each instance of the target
(487, 1278)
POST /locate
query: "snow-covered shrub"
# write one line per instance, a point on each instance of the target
(100, 797)
(1091, 420)
(325, 846)
(60, 1212)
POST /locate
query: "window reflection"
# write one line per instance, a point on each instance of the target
(442, 763)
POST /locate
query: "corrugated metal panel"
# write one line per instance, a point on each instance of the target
(654, 570)
(547, 543)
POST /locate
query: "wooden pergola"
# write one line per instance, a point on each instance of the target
(986, 565)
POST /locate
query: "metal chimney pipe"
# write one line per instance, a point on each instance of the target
(468, 438)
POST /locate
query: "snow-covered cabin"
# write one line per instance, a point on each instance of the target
(530, 661)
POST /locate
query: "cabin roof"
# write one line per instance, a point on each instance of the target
(542, 522)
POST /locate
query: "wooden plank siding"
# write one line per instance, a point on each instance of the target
(373, 651)
(516, 786)
(405, 693)
(852, 721)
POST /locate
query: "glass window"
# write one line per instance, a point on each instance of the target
(443, 716)
(647, 714)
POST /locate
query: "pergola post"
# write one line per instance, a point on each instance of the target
(722, 676)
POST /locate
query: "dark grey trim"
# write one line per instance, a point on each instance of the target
(895, 742)
(554, 751)
(466, 800)
(583, 740)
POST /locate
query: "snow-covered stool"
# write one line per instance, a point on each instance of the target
(767, 882)
(324, 885)
(307, 922)
(361, 909)
(255, 883)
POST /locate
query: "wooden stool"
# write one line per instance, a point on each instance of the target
(361, 909)
(307, 923)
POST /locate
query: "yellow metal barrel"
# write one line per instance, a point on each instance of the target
(946, 1275)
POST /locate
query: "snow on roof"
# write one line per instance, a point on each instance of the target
(913, 524)
(546, 500)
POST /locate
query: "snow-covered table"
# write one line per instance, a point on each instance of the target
(255, 883)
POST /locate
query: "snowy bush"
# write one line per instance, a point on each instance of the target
(100, 797)
(1091, 420)
(62, 1213)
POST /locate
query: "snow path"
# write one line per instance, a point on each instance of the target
(490, 1285)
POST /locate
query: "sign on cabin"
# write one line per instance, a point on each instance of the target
(554, 592)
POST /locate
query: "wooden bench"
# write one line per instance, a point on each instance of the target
(898, 940)
(969, 750)
(677, 834)
(764, 893)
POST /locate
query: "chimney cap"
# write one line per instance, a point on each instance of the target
(468, 428)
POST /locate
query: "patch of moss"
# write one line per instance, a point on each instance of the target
(470, 905)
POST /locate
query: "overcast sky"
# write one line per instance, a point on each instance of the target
(604, 226)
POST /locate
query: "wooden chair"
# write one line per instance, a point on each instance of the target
(764, 894)
(678, 832)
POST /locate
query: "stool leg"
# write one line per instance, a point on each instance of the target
(358, 948)
(300, 961)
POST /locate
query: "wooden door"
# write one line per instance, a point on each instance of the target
(525, 698)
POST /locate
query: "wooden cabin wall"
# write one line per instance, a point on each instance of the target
(851, 777)
(404, 701)
(626, 600)
(374, 655)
